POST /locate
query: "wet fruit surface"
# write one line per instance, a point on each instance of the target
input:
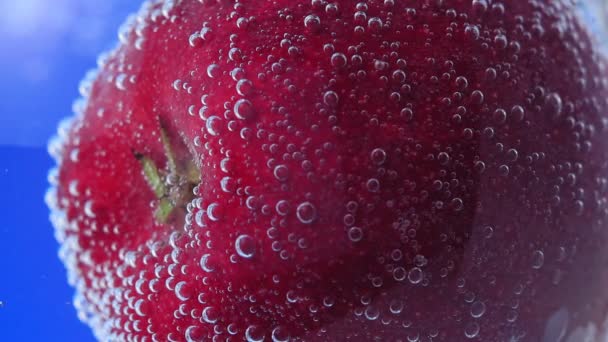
(340, 171)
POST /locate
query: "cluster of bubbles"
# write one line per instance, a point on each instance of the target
(426, 134)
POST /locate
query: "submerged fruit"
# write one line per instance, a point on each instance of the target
(311, 170)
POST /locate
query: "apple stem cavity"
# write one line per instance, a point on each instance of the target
(173, 186)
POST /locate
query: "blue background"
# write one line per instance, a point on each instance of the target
(46, 48)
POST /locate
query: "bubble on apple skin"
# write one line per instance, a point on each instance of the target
(243, 109)
(214, 212)
(210, 315)
(280, 334)
(194, 333)
(206, 264)
(378, 156)
(538, 259)
(245, 246)
(213, 125)
(306, 212)
(478, 308)
(213, 70)
(254, 333)
(372, 313)
(355, 234)
(415, 275)
(471, 330)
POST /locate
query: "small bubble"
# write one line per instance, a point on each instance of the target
(282, 207)
(518, 113)
(373, 185)
(120, 82)
(242, 23)
(214, 212)
(281, 172)
(306, 212)
(312, 22)
(228, 184)
(538, 259)
(355, 234)
(205, 33)
(374, 24)
(477, 97)
(396, 306)
(479, 6)
(471, 32)
(338, 60)
(213, 125)
(461, 82)
(213, 70)
(182, 291)
(500, 40)
(331, 98)
(210, 315)
(195, 39)
(471, 330)
(500, 116)
(245, 246)
(399, 273)
(478, 309)
(378, 156)
(457, 204)
(554, 105)
(372, 313)
(194, 333)
(415, 275)
(206, 264)
(235, 54)
(254, 334)
(244, 87)
(280, 334)
(243, 109)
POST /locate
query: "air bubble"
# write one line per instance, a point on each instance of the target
(399, 273)
(538, 259)
(338, 60)
(306, 212)
(355, 234)
(312, 22)
(213, 125)
(378, 156)
(210, 315)
(182, 291)
(245, 246)
(415, 275)
(281, 172)
(471, 330)
(206, 264)
(373, 185)
(478, 309)
(243, 109)
(331, 98)
(214, 212)
(213, 70)
(280, 334)
(254, 334)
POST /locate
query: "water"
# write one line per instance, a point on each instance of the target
(35, 299)
(47, 46)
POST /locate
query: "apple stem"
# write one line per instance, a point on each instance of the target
(168, 149)
(184, 175)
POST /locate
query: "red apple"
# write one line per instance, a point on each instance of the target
(340, 171)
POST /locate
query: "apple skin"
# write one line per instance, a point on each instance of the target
(390, 170)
